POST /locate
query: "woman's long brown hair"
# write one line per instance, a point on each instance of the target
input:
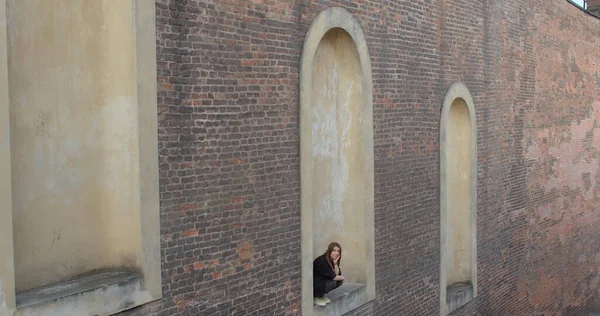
(328, 254)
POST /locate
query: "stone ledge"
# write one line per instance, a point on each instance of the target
(345, 298)
(102, 293)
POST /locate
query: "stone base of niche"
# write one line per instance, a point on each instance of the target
(101, 293)
(457, 295)
(344, 299)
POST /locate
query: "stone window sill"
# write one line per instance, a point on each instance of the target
(344, 299)
(102, 293)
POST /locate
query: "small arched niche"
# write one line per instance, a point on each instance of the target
(337, 158)
(458, 214)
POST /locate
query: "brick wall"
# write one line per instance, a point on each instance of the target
(229, 152)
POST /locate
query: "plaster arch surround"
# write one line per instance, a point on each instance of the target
(337, 181)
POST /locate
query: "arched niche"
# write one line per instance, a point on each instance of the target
(79, 191)
(336, 126)
(458, 199)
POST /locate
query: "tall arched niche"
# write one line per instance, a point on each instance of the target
(458, 200)
(336, 126)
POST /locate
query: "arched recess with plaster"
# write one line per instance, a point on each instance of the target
(337, 182)
(458, 199)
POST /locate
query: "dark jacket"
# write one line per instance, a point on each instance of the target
(322, 273)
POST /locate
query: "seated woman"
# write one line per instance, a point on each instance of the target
(327, 274)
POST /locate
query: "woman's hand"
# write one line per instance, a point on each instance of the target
(339, 278)
(335, 260)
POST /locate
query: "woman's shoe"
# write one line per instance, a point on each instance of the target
(327, 301)
(319, 301)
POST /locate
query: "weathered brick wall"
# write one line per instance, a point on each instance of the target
(561, 152)
(229, 152)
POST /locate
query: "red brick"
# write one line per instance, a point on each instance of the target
(228, 130)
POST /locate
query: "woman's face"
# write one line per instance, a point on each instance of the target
(335, 253)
